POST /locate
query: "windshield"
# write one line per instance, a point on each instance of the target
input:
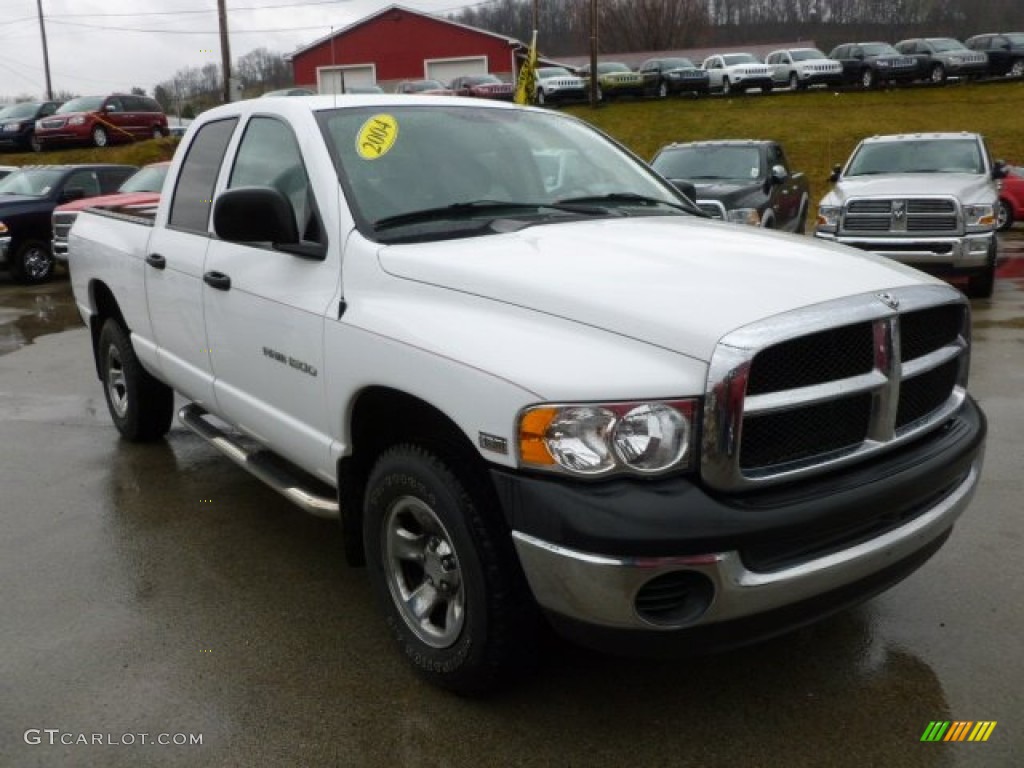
(16, 111)
(149, 179)
(942, 45)
(709, 163)
(807, 54)
(1016, 39)
(925, 156)
(33, 183)
(677, 64)
(553, 72)
(84, 104)
(739, 58)
(879, 49)
(421, 158)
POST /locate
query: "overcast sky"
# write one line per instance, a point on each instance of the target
(101, 46)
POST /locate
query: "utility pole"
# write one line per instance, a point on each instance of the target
(46, 53)
(593, 53)
(536, 13)
(225, 48)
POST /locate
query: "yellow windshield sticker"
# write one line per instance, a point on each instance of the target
(377, 137)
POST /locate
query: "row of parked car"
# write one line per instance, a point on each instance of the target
(868, 65)
(89, 120)
(38, 205)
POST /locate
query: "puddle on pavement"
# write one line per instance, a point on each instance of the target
(28, 312)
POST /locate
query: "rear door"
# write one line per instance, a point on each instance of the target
(265, 309)
(174, 275)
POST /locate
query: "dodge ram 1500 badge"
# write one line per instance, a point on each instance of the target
(540, 395)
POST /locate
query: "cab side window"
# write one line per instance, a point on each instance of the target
(269, 156)
(85, 181)
(193, 192)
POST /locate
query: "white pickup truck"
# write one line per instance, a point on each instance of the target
(533, 395)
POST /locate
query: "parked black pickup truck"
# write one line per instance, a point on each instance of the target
(747, 182)
(27, 200)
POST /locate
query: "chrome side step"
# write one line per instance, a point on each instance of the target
(277, 477)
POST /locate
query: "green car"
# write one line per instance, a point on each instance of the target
(614, 79)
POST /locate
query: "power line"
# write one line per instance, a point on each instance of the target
(108, 28)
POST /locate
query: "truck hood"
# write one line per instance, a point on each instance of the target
(11, 204)
(967, 187)
(676, 282)
(728, 193)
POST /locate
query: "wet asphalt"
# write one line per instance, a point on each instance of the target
(160, 590)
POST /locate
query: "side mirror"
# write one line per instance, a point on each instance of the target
(686, 188)
(72, 193)
(836, 171)
(254, 215)
(779, 174)
(999, 170)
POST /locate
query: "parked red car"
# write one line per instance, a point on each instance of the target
(424, 88)
(483, 87)
(102, 120)
(1011, 197)
(142, 190)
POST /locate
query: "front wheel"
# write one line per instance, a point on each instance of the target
(541, 98)
(99, 136)
(868, 79)
(1004, 216)
(662, 89)
(140, 406)
(33, 262)
(442, 563)
(35, 144)
(1017, 69)
(981, 286)
(938, 74)
(157, 132)
(794, 82)
(726, 87)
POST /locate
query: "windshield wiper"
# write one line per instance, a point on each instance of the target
(631, 198)
(476, 207)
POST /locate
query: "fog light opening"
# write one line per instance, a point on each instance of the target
(674, 599)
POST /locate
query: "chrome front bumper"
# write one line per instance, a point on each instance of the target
(967, 252)
(601, 590)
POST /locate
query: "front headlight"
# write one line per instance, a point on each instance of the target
(980, 216)
(12, 127)
(828, 217)
(744, 216)
(77, 120)
(593, 440)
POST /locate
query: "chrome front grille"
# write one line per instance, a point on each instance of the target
(882, 369)
(62, 223)
(926, 215)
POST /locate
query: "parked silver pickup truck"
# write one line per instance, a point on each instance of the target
(928, 200)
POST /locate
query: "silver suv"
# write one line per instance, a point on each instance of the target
(928, 200)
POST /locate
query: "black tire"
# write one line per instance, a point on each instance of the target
(33, 262)
(726, 86)
(1004, 216)
(443, 566)
(794, 82)
(541, 98)
(868, 79)
(140, 406)
(1017, 68)
(937, 74)
(662, 89)
(99, 136)
(981, 285)
(158, 132)
(34, 144)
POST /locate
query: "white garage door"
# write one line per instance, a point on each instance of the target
(447, 69)
(330, 78)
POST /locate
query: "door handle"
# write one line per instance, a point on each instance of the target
(156, 261)
(217, 280)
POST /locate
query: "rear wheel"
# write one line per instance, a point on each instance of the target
(541, 98)
(868, 79)
(34, 144)
(33, 262)
(1017, 69)
(442, 563)
(726, 87)
(794, 81)
(938, 74)
(1004, 216)
(140, 406)
(99, 136)
(157, 132)
(662, 89)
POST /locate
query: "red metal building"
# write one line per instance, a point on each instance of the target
(399, 43)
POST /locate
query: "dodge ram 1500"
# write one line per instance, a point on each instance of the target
(530, 395)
